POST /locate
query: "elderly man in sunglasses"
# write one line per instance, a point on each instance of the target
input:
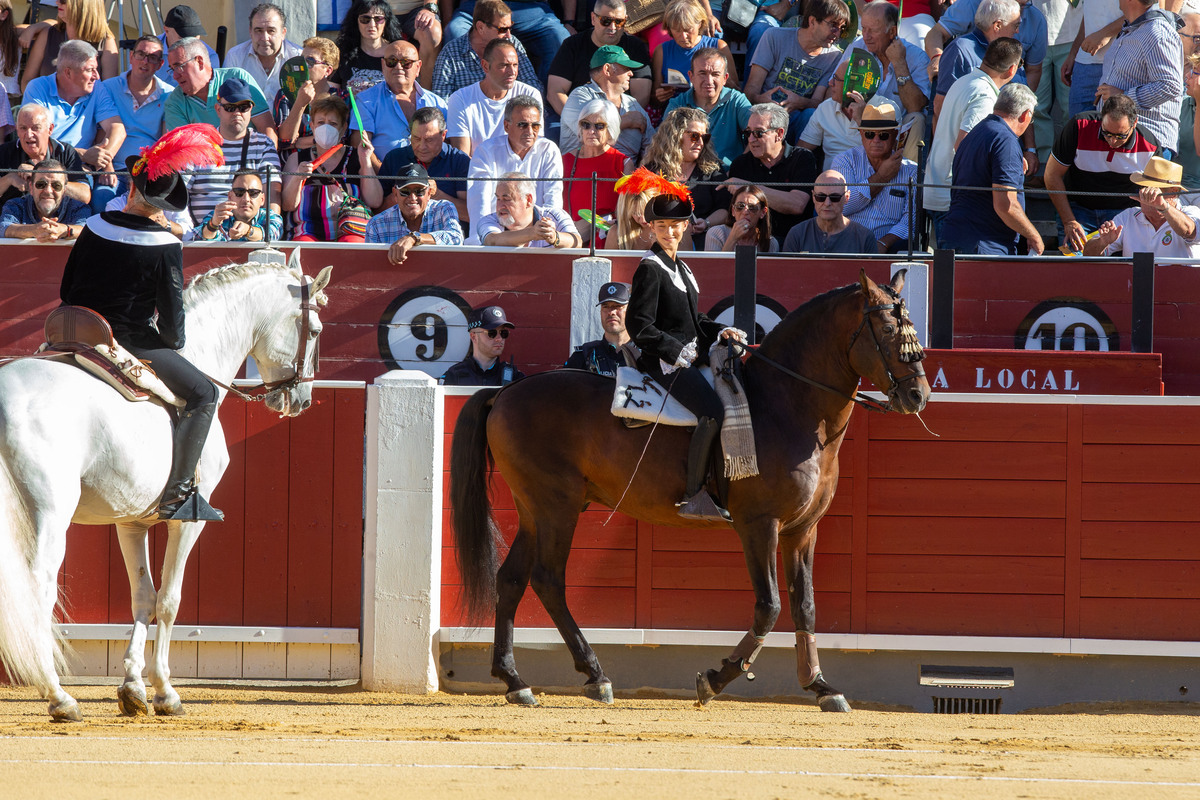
(46, 213)
(416, 218)
(387, 108)
(242, 218)
(488, 329)
(775, 166)
(830, 231)
(521, 148)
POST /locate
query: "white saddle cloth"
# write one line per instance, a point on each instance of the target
(640, 397)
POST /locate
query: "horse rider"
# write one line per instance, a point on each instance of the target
(126, 266)
(673, 334)
(603, 356)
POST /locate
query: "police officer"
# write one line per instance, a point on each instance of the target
(603, 355)
(488, 329)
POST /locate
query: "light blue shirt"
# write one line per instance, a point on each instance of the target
(383, 118)
(74, 123)
(1032, 31)
(144, 124)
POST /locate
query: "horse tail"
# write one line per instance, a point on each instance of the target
(28, 646)
(475, 534)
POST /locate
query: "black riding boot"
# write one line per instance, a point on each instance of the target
(698, 503)
(181, 499)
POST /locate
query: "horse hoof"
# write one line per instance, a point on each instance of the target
(600, 692)
(169, 707)
(131, 700)
(66, 711)
(704, 690)
(521, 697)
(833, 702)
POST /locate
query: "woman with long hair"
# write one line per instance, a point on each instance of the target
(598, 126)
(630, 231)
(751, 223)
(682, 151)
(368, 27)
(77, 19)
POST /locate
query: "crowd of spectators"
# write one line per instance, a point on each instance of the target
(487, 123)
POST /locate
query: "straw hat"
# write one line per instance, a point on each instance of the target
(880, 117)
(1160, 173)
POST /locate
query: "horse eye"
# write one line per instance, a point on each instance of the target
(889, 329)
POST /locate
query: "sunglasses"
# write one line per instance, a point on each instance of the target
(313, 61)
(139, 55)
(368, 19)
(757, 133)
(405, 63)
(503, 30)
(1116, 137)
(537, 126)
(832, 198)
(883, 135)
(417, 191)
(178, 68)
(241, 191)
(237, 108)
(740, 206)
(56, 185)
(587, 126)
(698, 138)
(612, 22)
(501, 332)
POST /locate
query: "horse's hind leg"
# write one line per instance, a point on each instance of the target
(131, 697)
(181, 537)
(48, 560)
(511, 581)
(798, 552)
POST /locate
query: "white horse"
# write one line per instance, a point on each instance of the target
(72, 449)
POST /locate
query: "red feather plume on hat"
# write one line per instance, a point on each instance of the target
(195, 145)
(643, 179)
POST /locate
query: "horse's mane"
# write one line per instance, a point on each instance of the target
(206, 284)
(799, 316)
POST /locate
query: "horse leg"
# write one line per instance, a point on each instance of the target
(759, 541)
(798, 552)
(511, 581)
(181, 537)
(47, 561)
(134, 540)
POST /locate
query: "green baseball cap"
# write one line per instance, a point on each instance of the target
(612, 54)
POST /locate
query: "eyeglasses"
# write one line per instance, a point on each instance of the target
(587, 126)
(405, 63)
(238, 108)
(883, 135)
(141, 55)
(241, 191)
(1117, 136)
(1195, 39)
(698, 138)
(612, 22)
(313, 61)
(178, 68)
(414, 191)
(503, 30)
(56, 185)
(740, 206)
(537, 126)
(835, 25)
(369, 19)
(502, 333)
(832, 198)
(757, 133)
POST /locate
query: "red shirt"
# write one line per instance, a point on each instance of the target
(608, 166)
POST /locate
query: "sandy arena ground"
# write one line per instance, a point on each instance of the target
(333, 743)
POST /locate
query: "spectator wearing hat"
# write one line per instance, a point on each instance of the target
(388, 106)
(728, 109)
(459, 62)
(488, 329)
(519, 222)
(989, 158)
(46, 214)
(772, 164)
(263, 54)
(571, 67)
(830, 231)
(833, 127)
(447, 166)
(877, 176)
(416, 216)
(475, 113)
(521, 148)
(243, 149)
(611, 71)
(182, 22)
(241, 216)
(199, 89)
(603, 356)
(1159, 224)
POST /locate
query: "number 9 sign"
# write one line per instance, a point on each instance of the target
(425, 328)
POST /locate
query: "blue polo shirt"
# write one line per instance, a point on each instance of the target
(183, 109)
(449, 168)
(989, 154)
(726, 121)
(143, 125)
(383, 119)
(1032, 30)
(74, 123)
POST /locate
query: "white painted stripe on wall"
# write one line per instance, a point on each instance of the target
(216, 633)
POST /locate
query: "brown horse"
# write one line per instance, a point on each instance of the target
(556, 443)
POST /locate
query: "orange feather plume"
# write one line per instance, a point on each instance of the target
(643, 179)
(195, 145)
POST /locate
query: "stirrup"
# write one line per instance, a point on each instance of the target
(189, 508)
(702, 506)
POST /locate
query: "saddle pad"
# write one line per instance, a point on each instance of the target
(131, 377)
(640, 397)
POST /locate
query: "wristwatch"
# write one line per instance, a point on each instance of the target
(416, 237)
(432, 7)
(903, 80)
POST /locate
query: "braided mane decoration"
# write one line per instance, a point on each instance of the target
(643, 179)
(195, 145)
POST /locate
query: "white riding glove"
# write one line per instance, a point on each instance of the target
(684, 360)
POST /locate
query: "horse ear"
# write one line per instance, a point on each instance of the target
(321, 281)
(865, 282)
(898, 280)
(293, 263)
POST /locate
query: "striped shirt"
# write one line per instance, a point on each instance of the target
(1145, 62)
(440, 221)
(1093, 165)
(886, 212)
(208, 186)
(458, 65)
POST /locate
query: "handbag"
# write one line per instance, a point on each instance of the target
(737, 16)
(352, 217)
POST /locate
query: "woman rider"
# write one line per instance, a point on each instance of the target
(126, 266)
(674, 336)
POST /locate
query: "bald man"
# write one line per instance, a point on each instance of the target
(387, 107)
(830, 231)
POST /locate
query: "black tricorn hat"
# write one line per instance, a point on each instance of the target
(665, 206)
(168, 192)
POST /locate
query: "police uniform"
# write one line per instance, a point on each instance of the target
(601, 356)
(468, 372)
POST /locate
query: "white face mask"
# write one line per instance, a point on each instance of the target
(326, 136)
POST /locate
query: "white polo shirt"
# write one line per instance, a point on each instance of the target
(968, 102)
(1139, 236)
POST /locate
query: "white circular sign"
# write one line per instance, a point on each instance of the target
(1068, 328)
(425, 329)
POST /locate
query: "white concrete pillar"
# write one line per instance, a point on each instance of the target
(916, 295)
(588, 274)
(402, 540)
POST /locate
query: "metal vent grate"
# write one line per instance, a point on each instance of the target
(967, 705)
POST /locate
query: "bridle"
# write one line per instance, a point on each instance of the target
(265, 389)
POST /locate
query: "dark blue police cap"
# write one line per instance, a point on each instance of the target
(614, 292)
(489, 318)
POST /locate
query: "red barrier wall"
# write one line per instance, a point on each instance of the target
(1046, 520)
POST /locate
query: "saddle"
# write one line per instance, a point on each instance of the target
(640, 400)
(78, 335)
